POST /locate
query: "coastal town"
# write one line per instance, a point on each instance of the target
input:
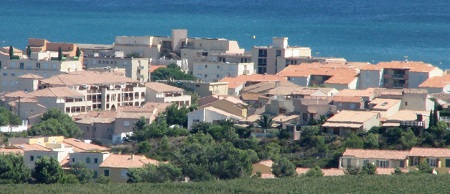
(190, 106)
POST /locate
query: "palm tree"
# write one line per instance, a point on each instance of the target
(265, 121)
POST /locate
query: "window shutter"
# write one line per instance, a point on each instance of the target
(377, 163)
(402, 164)
(387, 164)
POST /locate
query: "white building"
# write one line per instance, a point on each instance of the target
(209, 115)
(215, 71)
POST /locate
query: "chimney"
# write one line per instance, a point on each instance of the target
(132, 156)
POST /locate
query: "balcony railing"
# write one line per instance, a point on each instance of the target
(412, 123)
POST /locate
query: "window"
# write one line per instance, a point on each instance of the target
(383, 164)
(195, 120)
(5, 74)
(217, 75)
(123, 173)
(106, 172)
(365, 162)
(349, 162)
(22, 65)
(126, 123)
(433, 162)
(73, 159)
(31, 158)
(352, 106)
(95, 160)
(38, 65)
(262, 53)
(278, 53)
(447, 163)
(415, 161)
(13, 74)
(95, 174)
(88, 160)
(406, 103)
(206, 75)
(206, 66)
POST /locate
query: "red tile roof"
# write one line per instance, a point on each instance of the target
(413, 66)
(80, 146)
(430, 152)
(376, 154)
(127, 161)
(234, 82)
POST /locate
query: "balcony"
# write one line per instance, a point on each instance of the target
(399, 76)
(412, 123)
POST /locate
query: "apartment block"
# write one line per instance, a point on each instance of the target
(397, 74)
(161, 92)
(215, 71)
(135, 68)
(265, 57)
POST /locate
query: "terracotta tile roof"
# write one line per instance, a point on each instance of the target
(155, 67)
(339, 72)
(436, 82)
(88, 78)
(407, 115)
(376, 154)
(383, 103)
(11, 150)
(234, 82)
(28, 147)
(285, 118)
(369, 92)
(162, 87)
(96, 114)
(16, 94)
(412, 66)
(81, 146)
(30, 76)
(148, 110)
(344, 125)
(250, 96)
(213, 109)
(267, 176)
(127, 161)
(442, 96)
(347, 116)
(59, 92)
(430, 152)
(228, 98)
(91, 120)
(266, 86)
(355, 99)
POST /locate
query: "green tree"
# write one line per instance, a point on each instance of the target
(55, 122)
(81, 172)
(424, 167)
(144, 147)
(408, 139)
(60, 54)
(13, 169)
(176, 115)
(155, 174)
(314, 172)
(353, 141)
(283, 168)
(351, 170)
(371, 141)
(103, 180)
(265, 121)
(69, 179)
(369, 169)
(8, 118)
(47, 170)
(171, 72)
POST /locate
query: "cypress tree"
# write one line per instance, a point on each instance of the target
(60, 54)
(78, 52)
(28, 51)
(11, 52)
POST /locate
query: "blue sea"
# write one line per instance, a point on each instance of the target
(358, 30)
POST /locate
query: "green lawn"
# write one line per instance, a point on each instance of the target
(343, 184)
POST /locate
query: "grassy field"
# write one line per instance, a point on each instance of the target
(344, 184)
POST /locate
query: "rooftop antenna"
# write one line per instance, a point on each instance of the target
(406, 59)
